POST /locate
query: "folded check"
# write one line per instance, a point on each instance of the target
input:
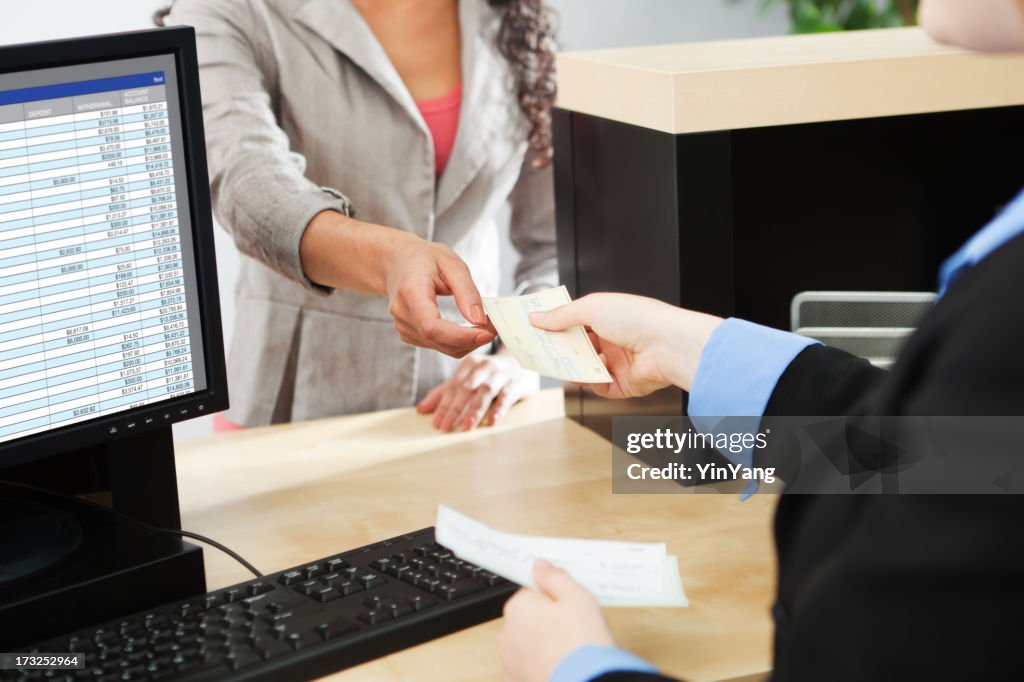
(566, 355)
(616, 573)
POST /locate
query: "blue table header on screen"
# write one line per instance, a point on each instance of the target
(44, 92)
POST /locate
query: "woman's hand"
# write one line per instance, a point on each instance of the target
(646, 344)
(417, 273)
(344, 253)
(481, 391)
(543, 627)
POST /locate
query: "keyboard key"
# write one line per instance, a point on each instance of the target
(332, 579)
(398, 570)
(301, 611)
(419, 603)
(469, 586)
(104, 636)
(491, 579)
(241, 657)
(135, 672)
(82, 646)
(350, 587)
(300, 640)
(234, 594)
(309, 587)
(371, 580)
(284, 599)
(313, 570)
(375, 616)
(292, 577)
(259, 587)
(327, 594)
(399, 609)
(336, 627)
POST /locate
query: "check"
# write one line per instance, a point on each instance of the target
(566, 355)
(624, 574)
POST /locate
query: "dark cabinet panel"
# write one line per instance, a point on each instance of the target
(738, 222)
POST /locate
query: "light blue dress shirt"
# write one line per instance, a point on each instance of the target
(737, 374)
(588, 662)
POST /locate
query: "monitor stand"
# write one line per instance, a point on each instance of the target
(66, 563)
(36, 538)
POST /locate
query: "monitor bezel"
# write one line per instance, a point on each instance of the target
(180, 42)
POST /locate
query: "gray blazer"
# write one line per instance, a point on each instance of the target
(303, 108)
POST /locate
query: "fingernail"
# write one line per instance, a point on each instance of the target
(478, 314)
(542, 564)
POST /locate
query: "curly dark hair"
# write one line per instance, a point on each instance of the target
(526, 38)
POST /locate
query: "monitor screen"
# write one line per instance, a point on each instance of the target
(100, 311)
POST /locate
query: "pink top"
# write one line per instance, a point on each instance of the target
(442, 117)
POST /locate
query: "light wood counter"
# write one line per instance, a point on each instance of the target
(759, 82)
(284, 495)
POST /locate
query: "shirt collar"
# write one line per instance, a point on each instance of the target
(1007, 225)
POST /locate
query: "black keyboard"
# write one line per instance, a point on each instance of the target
(298, 624)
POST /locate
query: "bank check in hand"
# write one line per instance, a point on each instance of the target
(567, 355)
(621, 574)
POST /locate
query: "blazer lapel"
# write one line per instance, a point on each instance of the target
(340, 24)
(478, 97)
(343, 27)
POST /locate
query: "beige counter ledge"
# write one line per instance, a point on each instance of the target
(736, 84)
(284, 495)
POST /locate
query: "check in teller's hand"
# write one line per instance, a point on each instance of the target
(567, 355)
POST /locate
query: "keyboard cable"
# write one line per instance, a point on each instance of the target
(148, 526)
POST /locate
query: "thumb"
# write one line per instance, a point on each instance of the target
(553, 581)
(467, 297)
(573, 314)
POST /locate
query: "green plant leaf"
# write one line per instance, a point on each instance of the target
(862, 15)
(817, 16)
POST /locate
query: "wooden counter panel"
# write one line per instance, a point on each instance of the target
(288, 494)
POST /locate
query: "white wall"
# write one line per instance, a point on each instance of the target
(599, 24)
(585, 25)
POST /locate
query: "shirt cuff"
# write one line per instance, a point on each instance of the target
(739, 368)
(590, 662)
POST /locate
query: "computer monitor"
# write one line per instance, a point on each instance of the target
(109, 316)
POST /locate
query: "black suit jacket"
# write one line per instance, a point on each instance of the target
(929, 587)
